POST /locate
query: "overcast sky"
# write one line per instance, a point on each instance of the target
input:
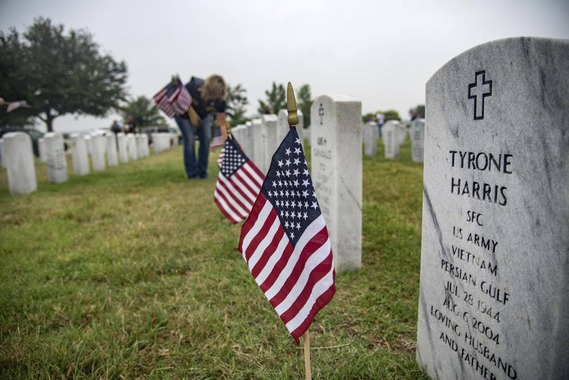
(379, 52)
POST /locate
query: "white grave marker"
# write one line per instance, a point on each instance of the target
(371, 135)
(391, 138)
(161, 141)
(401, 132)
(122, 146)
(269, 138)
(417, 140)
(237, 133)
(79, 155)
(146, 148)
(248, 144)
(131, 147)
(98, 143)
(56, 162)
(336, 148)
(140, 145)
(18, 156)
(259, 148)
(111, 149)
(89, 144)
(494, 295)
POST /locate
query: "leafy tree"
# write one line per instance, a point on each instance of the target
(370, 116)
(418, 111)
(236, 105)
(391, 115)
(304, 102)
(60, 73)
(275, 101)
(11, 68)
(144, 113)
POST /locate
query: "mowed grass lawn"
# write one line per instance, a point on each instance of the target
(133, 273)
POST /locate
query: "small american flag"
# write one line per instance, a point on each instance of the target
(285, 241)
(238, 183)
(216, 142)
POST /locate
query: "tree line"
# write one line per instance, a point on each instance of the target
(58, 73)
(62, 72)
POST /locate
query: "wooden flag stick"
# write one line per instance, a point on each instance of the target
(306, 341)
(291, 106)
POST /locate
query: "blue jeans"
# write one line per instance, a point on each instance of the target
(195, 168)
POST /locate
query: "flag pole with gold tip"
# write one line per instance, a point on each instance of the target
(293, 121)
(291, 106)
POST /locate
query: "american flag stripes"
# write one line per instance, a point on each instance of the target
(173, 100)
(161, 101)
(238, 183)
(217, 141)
(285, 241)
(180, 100)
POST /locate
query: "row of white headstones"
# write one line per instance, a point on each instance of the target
(336, 135)
(269, 130)
(394, 134)
(103, 150)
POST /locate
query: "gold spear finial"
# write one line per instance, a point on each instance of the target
(291, 106)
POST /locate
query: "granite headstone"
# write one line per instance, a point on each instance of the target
(55, 155)
(259, 149)
(98, 143)
(80, 157)
(122, 147)
(237, 133)
(391, 139)
(401, 132)
(417, 133)
(370, 136)
(140, 145)
(494, 293)
(145, 145)
(131, 147)
(269, 138)
(248, 143)
(18, 157)
(336, 149)
(111, 149)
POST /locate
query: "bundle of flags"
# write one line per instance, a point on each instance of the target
(284, 240)
(173, 99)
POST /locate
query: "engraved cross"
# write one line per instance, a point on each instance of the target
(321, 112)
(479, 90)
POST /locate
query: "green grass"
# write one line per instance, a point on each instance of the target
(132, 272)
